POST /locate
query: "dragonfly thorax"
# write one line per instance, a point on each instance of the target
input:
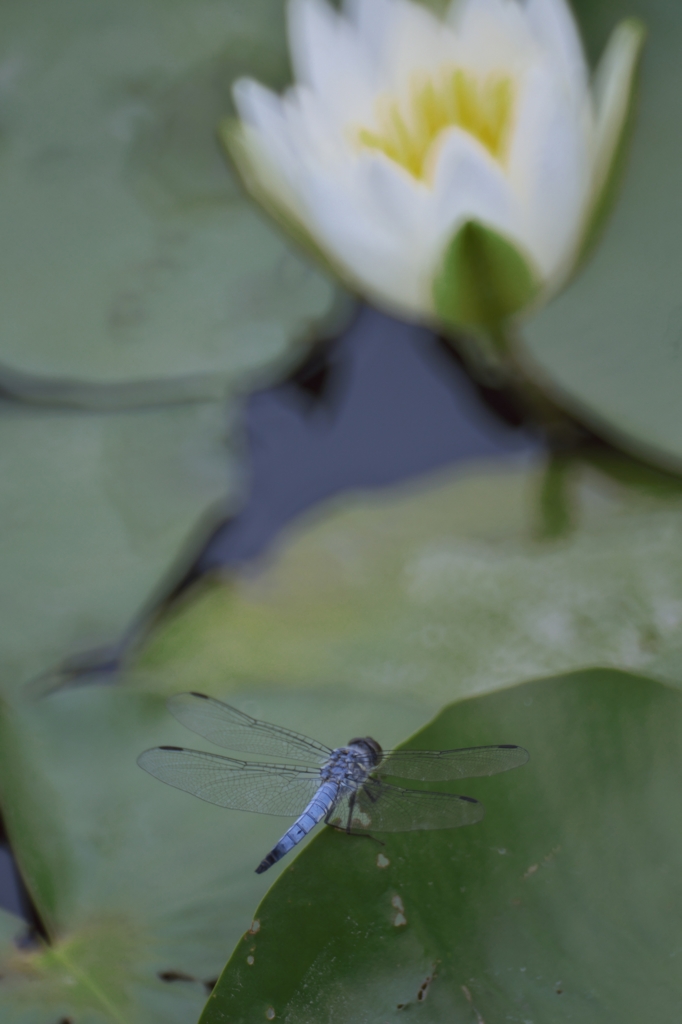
(352, 764)
(371, 748)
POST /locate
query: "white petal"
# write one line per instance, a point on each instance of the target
(469, 185)
(494, 35)
(262, 175)
(549, 167)
(294, 128)
(417, 42)
(612, 91)
(259, 107)
(314, 34)
(314, 135)
(330, 59)
(369, 219)
(267, 139)
(262, 114)
(397, 200)
(556, 30)
(371, 19)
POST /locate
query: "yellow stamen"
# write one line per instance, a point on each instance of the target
(409, 133)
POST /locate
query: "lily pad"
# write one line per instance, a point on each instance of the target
(96, 509)
(143, 890)
(612, 343)
(157, 279)
(563, 904)
(446, 590)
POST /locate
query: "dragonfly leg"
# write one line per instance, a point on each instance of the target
(347, 827)
(350, 832)
(368, 792)
(351, 805)
(365, 835)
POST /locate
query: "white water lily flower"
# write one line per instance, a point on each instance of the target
(446, 168)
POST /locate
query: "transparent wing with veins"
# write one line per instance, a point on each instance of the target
(448, 765)
(379, 807)
(240, 785)
(227, 727)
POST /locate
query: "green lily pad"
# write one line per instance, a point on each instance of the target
(143, 890)
(96, 509)
(612, 343)
(563, 904)
(447, 590)
(134, 269)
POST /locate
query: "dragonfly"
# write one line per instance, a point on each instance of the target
(345, 787)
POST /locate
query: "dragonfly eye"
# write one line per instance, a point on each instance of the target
(370, 746)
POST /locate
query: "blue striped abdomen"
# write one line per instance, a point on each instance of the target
(316, 811)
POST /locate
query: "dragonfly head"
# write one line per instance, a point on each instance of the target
(369, 747)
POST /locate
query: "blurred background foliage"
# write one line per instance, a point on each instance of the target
(446, 591)
(158, 280)
(611, 344)
(143, 297)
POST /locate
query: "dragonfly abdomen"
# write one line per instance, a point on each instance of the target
(316, 811)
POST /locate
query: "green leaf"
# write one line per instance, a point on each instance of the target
(96, 509)
(30, 806)
(143, 889)
(563, 904)
(130, 907)
(611, 344)
(482, 282)
(447, 589)
(158, 279)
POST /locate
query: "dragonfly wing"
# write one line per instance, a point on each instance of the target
(378, 807)
(227, 727)
(467, 763)
(240, 785)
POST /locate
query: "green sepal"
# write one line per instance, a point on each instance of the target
(482, 282)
